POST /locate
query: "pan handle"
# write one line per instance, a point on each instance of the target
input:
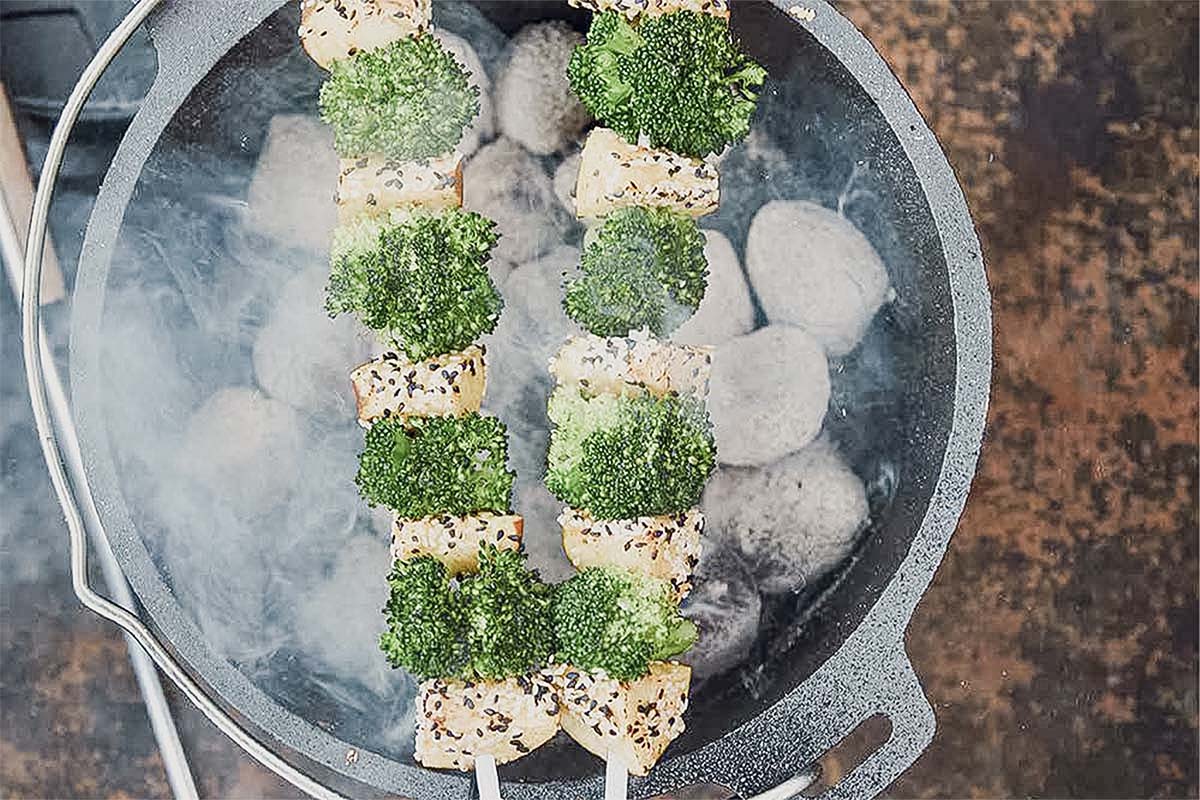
(858, 688)
(778, 755)
(902, 700)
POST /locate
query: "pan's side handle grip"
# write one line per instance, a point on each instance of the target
(903, 702)
(885, 687)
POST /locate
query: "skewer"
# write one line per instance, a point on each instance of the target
(488, 780)
(617, 175)
(616, 778)
(368, 183)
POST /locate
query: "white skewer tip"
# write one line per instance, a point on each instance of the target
(486, 777)
(616, 778)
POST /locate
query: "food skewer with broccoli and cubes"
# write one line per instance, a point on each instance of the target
(505, 659)
(631, 444)
(464, 614)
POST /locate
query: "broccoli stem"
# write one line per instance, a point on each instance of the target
(680, 638)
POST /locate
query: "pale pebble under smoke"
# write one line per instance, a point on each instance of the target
(506, 184)
(295, 206)
(543, 536)
(338, 620)
(531, 329)
(813, 269)
(725, 605)
(324, 505)
(565, 177)
(535, 103)
(726, 310)
(301, 356)
(769, 394)
(792, 520)
(236, 466)
(244, 448)
(381, 522)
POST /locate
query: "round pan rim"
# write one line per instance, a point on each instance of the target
(873, 652)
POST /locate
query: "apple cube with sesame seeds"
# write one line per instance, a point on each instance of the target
(457, 721)
(447, 385)
(335, 29)
(632, 365)
(632, 9)
(373, 184)
(632, 721)
(614, 174)
(664, 546)
(454, 540)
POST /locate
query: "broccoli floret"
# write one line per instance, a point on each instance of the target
(426, 633)
(506, 610)
(643, 268)
(436, 465)
(679, 78)
(594, 71)
(408, 100)
(420, 279)
(495, 624)
(623, 457)
(618, 621)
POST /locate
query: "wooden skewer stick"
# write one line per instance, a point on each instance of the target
(486, 777)
(16, 192)
(616, 778)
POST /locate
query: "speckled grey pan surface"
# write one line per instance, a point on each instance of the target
(834, 655)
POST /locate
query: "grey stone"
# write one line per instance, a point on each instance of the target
(304, 358)
(792, 520)
(769, 394)
(726, 607)
(290, 197)
(243, 447)
(338, 620)
(535, 104)
(504, 183)
(813, 269)
(531, 329)
(564, 182)
(726, 310)
(543, 536)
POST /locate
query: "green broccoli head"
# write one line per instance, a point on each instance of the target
(420, 279)
(507, 615)
(643, 268)
(594, 71)
(623, 457)
(679, 78)
(426, 632)
(436, 465)
(618, 621)
(408, 100)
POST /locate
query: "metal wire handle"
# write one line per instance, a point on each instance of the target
(31, 345)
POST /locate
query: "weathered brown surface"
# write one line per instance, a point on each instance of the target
(1059, 641)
